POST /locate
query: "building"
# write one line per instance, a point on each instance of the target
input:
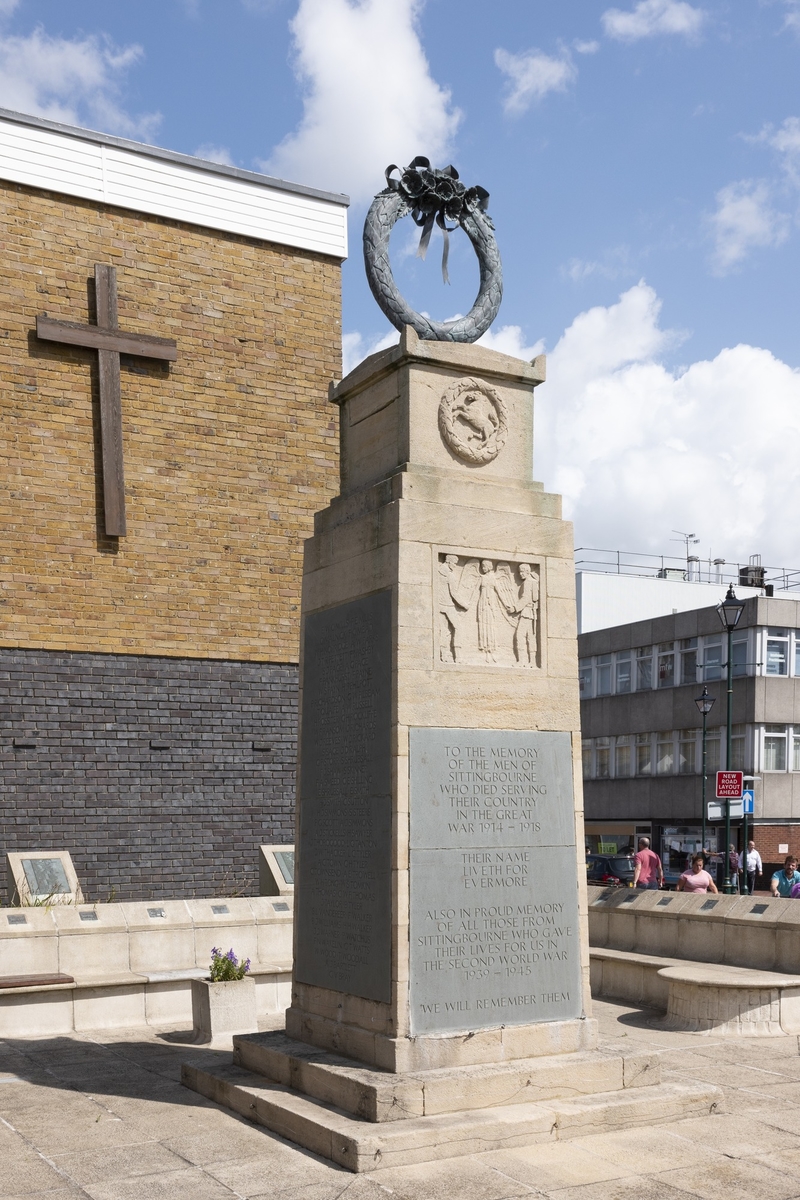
(642, 731)
(150, 583)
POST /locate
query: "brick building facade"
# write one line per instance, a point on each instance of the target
(183, 633)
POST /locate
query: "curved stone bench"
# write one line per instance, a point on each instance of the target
(730, 1001)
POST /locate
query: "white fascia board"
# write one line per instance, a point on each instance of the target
(146, 179)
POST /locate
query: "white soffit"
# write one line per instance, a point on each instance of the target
(146, 179)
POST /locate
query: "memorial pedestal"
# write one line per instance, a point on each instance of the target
(441, 886)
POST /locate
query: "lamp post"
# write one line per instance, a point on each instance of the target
(729, 612)
(704, 704)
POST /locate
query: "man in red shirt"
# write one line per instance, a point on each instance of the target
(648, 872)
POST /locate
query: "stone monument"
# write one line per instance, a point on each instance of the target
(441, 997)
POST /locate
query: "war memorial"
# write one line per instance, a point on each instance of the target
(435, 1004)
(441, 948)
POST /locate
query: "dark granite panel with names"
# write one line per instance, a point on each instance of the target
(343, 894)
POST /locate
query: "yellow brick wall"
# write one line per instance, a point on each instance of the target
(228, 453)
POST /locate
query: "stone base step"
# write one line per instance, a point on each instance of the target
(366, 1146)
(377, 1095)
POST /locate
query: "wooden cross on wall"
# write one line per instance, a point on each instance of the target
(109, 341)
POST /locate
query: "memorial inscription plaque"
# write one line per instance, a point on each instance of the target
(343, 903)
(494, 891)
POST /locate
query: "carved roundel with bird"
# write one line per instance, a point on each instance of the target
(473, 421)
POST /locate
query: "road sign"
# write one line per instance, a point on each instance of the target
(749, 798)
(716, 810)
(730, 785)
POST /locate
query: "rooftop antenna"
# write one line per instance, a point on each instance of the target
(688, 540)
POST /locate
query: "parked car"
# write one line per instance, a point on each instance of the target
(610, 869)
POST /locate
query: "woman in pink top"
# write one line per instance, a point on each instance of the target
(696, 880)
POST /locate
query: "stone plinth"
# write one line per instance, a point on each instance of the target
(440, 998)
(438, 884)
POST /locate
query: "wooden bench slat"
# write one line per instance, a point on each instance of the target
(19, 981)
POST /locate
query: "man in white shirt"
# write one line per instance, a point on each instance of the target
(754, 866)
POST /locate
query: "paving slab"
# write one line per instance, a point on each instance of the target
(70, 1135)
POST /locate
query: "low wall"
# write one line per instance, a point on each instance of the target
(741, 931)
(133, 963)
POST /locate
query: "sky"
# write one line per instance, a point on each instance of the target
(643, 165)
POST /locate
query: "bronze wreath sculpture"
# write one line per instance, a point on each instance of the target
(433, 197)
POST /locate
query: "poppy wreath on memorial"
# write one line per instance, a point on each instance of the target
(433, 197)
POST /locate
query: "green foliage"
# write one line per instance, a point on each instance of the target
(226, 967)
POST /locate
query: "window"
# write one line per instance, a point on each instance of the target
(587, 758)
(623, 673)
(666, 664)
(602, 758)
(644, 754)
(644, 668)
(665, 753)
(775, 748)
(796, 749)
(585, 677)
(689, 660)
(712, 658)
(602, 675)
(687, 755)
(622, 757)
(739, 655)
(777, 657)
(797, 652)
(737, 748)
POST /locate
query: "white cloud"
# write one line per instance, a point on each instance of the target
(586, 47)
(531, 76)
(652, 17)
(786, 140)
(217, 154)
(369, 98)
(638, 450)
(615, 264)
(509, 339)
(355, 348)
(791, 19)
(744, 219)
(76, 81)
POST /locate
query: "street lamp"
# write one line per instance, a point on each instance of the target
(729, 612)
(704, 704)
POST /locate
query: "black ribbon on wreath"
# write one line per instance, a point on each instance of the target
(436, 197)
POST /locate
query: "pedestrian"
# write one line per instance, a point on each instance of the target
(783, 881)
(697, 879)
(733, 866)
(750, 867)
(648, 872)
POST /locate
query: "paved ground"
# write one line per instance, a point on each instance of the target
(104, 1116)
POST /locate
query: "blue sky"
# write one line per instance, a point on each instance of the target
(643, 161)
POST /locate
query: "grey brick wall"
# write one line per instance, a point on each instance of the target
(143, 822)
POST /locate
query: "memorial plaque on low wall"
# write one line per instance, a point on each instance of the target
(494, 894)
(343, 892)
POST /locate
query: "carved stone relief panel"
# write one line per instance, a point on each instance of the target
(487, 611)
(473, 421)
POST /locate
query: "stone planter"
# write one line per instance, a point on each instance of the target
(221, 1009)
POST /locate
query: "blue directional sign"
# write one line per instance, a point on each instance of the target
(748, 797)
